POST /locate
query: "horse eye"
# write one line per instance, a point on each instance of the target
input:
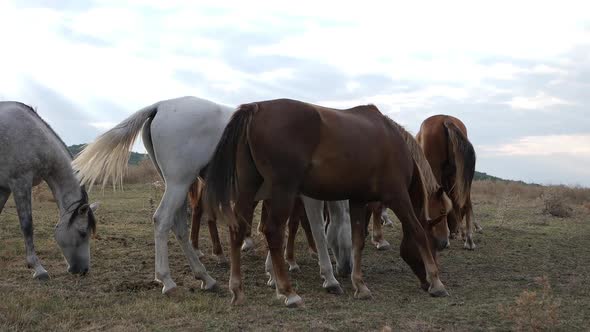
(83, 234)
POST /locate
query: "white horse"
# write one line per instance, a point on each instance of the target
(32, 152)
(180, 135)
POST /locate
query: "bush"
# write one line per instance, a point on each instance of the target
(533, 310)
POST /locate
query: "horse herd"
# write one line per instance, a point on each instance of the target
(329, 170)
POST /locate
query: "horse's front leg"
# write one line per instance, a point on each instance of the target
(21, 191)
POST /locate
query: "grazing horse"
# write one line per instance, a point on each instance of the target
(452, 159)
(180, 136)
(274, 150)
(32, 152)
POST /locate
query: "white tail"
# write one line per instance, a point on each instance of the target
(107, 157)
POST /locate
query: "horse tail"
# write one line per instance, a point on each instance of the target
(107, 157)
(462, 154)
(221, 181)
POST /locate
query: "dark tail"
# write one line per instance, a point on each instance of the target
(222, 179)
(463, 155)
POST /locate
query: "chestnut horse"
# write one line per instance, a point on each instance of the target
(452, 159)
(275, 150)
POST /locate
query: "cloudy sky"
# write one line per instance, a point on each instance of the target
(516, 72)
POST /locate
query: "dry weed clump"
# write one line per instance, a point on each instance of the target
(144, 172)
(534, 310)
(555, 203)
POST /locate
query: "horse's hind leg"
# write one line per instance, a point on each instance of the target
(293, 225)
(314, 210)
(196, 216)
(376, 210)
(248, 243)
(339, 236)
(311, 246)
(172, 208)
(21, 190)
(468, 209)
(214, 234)
(181, 232)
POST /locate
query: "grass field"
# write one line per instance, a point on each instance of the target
(495, 287)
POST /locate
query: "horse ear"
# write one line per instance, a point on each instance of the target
(83, 209)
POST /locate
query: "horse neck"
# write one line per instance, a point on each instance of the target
(64, 184)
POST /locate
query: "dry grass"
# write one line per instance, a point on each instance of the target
(519, 244)
(144, 172)
(534, 310)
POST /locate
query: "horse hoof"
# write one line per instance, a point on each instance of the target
(238, 298)
(425, 286)
(294, 301)
(469, 245)
(334, 289)
(248, 244)
(438, 292)
(170, 292)
(209, 285)
(41, 276)
(383, 245)
(168, 288)
(294, 268)
(363, 294)
(271, 282)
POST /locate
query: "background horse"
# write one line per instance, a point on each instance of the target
(32, 152)
(452, 158)
(276, 149)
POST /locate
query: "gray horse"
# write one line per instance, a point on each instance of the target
(31, 152)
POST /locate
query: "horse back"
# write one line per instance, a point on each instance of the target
(328, 145)
(27, 143)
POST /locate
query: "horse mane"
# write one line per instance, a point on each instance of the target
(462, 154)
(430, 183)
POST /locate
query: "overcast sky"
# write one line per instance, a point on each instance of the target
(516, 72)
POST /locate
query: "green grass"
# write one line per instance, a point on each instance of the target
(519, 244)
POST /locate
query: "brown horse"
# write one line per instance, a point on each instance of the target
(276, 149)
(452, 158)
(376, 211)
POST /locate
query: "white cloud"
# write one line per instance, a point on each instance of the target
(575, 145)
(538, 102)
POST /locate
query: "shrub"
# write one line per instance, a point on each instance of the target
(533, 310)
(555, 204)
